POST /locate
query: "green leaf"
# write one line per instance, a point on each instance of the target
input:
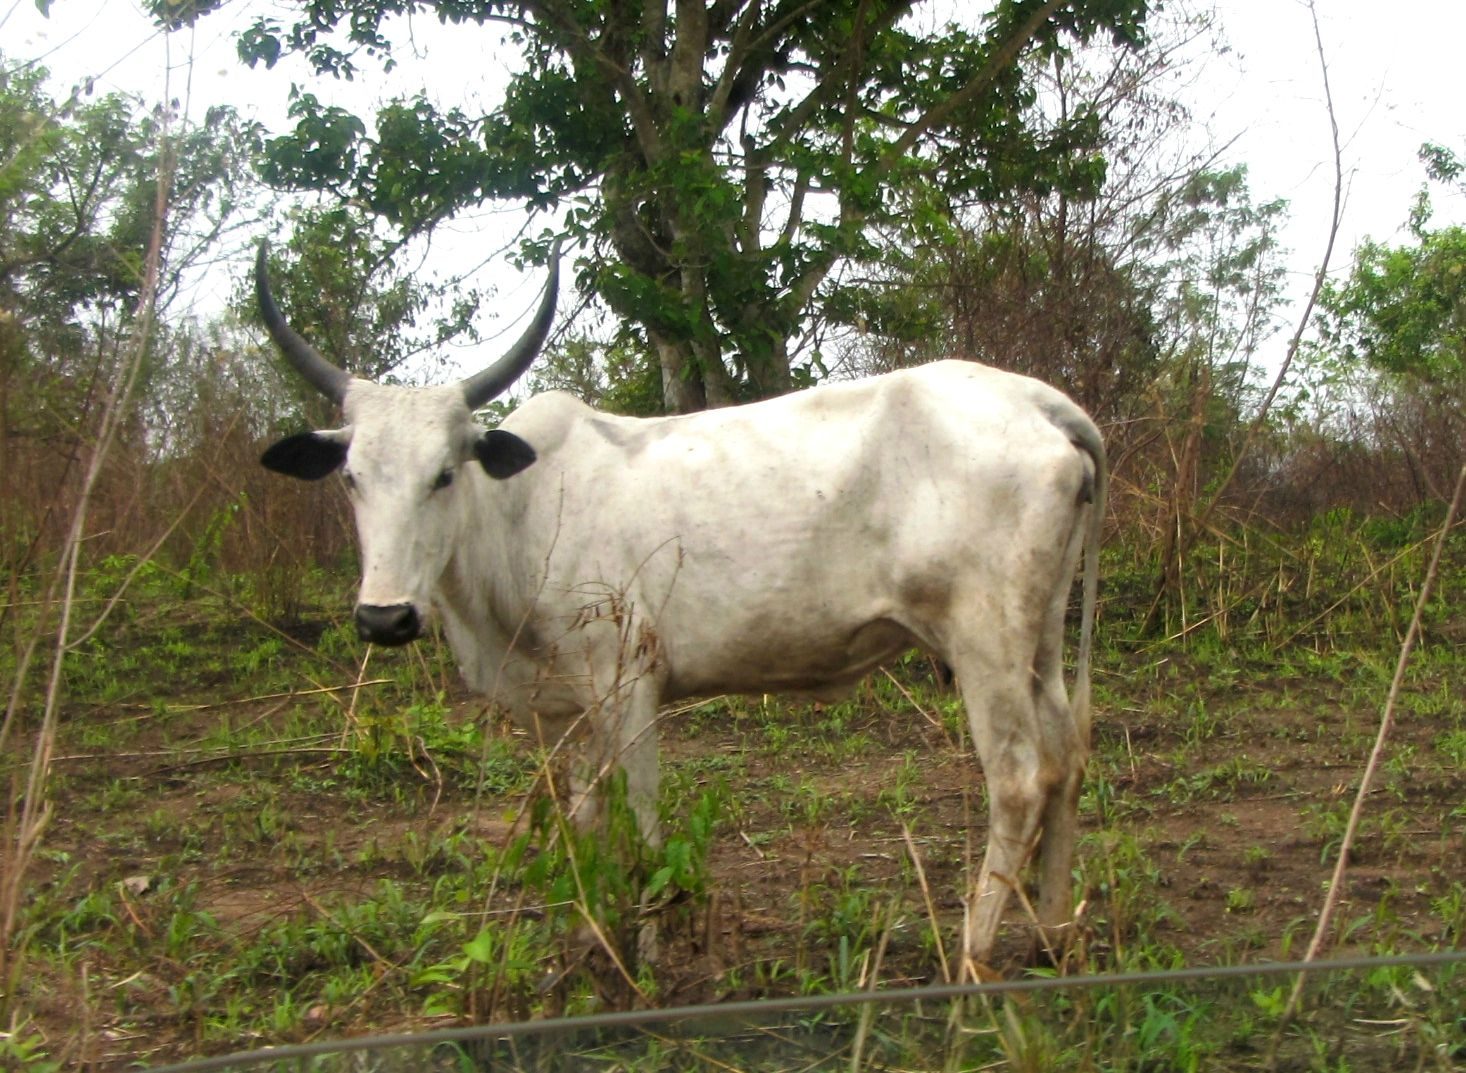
(659, 881)
(482, 948)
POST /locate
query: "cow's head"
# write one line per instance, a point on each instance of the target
(402, 452)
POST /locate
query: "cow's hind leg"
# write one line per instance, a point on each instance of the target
(1064, 726)
(1060, 819)
(1025, 742)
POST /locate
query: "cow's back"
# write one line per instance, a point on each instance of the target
(798, 542)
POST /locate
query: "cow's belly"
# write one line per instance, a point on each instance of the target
(547, 709)
(807, 660)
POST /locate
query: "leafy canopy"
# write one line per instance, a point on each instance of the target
(720, 158)
(79, 202)
(1402, 309)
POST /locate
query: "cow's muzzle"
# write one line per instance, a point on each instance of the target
(390, 624)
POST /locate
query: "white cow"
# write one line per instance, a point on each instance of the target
(588, 568)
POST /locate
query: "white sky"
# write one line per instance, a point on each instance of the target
(1392, 68)
(1393, 77)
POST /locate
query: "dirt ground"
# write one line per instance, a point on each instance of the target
(1206, 833)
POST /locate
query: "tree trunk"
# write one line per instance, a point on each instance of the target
(682, 383)
(767, 365)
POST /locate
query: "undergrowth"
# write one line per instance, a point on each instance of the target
(264, 833)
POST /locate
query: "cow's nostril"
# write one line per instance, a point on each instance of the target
(391, 624)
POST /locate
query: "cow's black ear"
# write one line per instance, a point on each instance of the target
(502, 454)
(307, 455)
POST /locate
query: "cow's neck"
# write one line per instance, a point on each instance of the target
(474, 592)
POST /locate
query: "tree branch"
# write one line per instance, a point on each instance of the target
(1001, 60)
(584, 50)
(734, 70)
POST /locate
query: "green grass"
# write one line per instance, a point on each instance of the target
(235, 861)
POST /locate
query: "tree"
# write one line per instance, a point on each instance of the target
(719, 157)
(79, 206)
(79, 197)
(1392, 344)
(340, 287)
(1402, 309)
(1141, 281)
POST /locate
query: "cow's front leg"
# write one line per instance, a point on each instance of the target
(622, 737)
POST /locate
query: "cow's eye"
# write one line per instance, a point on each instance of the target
(349, 479)
(444, 480)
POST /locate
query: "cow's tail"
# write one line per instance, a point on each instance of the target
(1087, 438)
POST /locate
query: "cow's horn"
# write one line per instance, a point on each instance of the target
(483, 386)
(318, 372)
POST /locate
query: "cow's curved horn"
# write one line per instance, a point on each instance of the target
(484, 385)
(307, 360)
